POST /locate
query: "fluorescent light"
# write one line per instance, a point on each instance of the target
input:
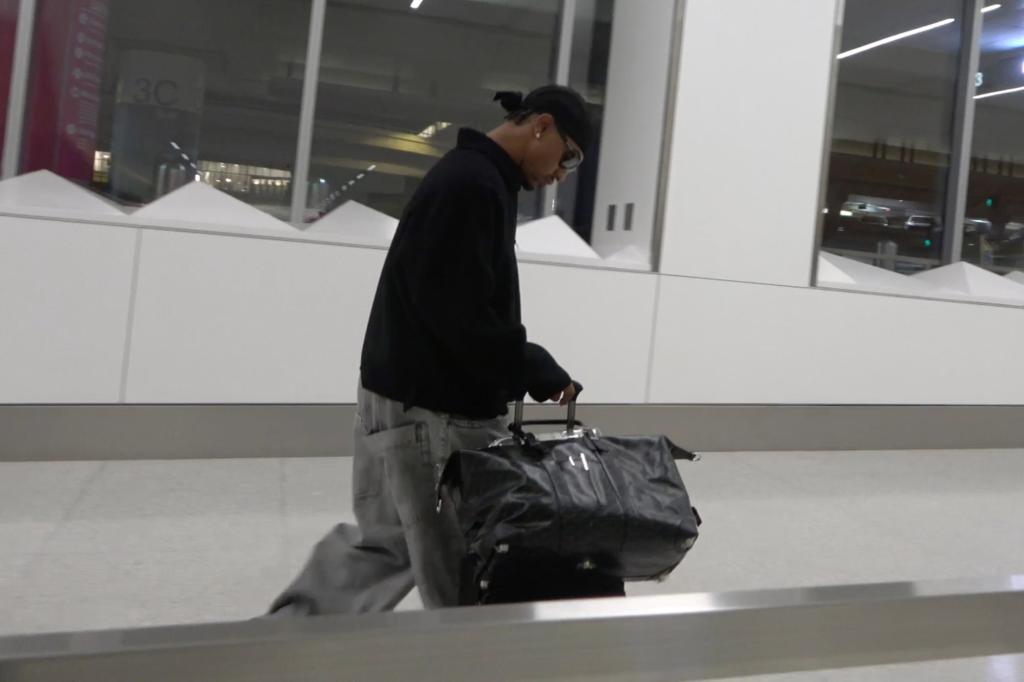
(434, 129)
(907, 34)
(893, 39)
(998, 92)
(846, 214)
(416, 3)
(372, 166)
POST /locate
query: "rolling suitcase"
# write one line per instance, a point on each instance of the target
(569, 514)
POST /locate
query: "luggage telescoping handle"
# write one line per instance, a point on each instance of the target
(570, 418)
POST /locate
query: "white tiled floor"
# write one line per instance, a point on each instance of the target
(87, 545)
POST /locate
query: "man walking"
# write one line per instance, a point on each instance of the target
(445, 352)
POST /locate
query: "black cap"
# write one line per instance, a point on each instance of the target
(564, 104)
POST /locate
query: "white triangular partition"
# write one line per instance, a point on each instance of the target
(969, 279)
(45, 189)
(839, 272)
(1016, 276)
(630, 256)
(200, 203)
(356, 221)
(951, 277)
(552, 236)
(986, 283)
(831, 272)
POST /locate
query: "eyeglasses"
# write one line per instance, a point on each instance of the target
(573, 156)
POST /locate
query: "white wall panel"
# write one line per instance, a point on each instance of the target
(64, 290)
(229, 319)
(747, 145)
(730, 342)
(597, 324)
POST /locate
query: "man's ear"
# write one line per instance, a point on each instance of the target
(543, 122)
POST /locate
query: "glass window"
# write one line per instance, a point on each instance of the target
(994, 222)
(396, 84)
(8, 27)
(892, 132)
(137, 97)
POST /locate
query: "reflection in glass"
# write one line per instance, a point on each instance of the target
(994, 225)
(892, 132)
(137, 97)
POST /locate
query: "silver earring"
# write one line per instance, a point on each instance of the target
(537, 136)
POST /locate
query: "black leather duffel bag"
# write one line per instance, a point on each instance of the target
(574, 507)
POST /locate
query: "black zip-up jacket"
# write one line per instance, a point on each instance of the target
(445, 331)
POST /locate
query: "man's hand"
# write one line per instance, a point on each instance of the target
(564, 396)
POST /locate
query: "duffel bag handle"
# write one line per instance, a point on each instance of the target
(570, 422)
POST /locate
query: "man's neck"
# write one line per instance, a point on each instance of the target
(506, 136)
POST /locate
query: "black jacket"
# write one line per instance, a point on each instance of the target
(445, 332)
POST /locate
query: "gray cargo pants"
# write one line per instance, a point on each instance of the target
(401, 539)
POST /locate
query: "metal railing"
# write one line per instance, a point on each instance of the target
(679, 637)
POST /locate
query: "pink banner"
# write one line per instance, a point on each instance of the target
(64, 100)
